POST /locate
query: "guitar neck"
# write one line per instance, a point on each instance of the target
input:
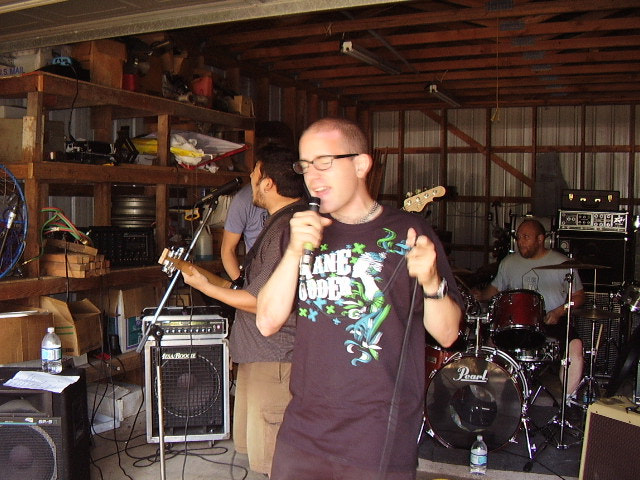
(183, 264)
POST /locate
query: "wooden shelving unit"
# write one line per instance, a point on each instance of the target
(45, 92)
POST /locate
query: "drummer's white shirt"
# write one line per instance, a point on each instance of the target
(516, 272)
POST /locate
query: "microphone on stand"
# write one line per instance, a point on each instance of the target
(307, 256)
(221, 190)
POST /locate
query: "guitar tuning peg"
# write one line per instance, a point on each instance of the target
(407, 195)
(417, 191)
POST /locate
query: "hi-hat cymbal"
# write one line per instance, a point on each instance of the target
(595, 313)
(572, 264)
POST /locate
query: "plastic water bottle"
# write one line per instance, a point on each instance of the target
(51, 352)
(478, 457)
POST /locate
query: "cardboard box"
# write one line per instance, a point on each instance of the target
(125, 397)
(103, 423)
(24, 61)
(104, 59)
(242, 105)
(21, 333)
(11, 139)
(124, 313)
(77, 324)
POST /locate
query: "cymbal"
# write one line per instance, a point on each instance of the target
(572, 264)
(595, 313)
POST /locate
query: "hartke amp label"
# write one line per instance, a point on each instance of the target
(179, 356)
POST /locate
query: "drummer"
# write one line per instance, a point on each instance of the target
(520, 271)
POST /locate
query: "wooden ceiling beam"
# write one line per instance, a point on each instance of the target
(429, 18)
(453, 36)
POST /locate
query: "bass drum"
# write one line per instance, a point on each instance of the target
(474, 394)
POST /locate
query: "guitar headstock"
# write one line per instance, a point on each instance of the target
(417, 202)
(169, 254)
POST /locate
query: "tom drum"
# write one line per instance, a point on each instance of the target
(517, 317)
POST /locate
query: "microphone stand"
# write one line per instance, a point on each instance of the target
(157, 332)
(163, 301)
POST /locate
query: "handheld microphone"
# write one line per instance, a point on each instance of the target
(307, 256)
(221, 190)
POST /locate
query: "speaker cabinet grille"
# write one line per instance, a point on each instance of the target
(612, 435)
(195, 390)
(613, 334)
(31, 448)
(44, 435)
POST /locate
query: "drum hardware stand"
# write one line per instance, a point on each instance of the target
(589, 385)
(540, 387)
(565, 362)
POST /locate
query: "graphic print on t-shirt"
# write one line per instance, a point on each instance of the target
(345, 287)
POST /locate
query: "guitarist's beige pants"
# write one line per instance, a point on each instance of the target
(262, 395)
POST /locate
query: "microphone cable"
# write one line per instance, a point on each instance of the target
(392, 419)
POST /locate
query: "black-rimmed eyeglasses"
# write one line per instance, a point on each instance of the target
(322, 162)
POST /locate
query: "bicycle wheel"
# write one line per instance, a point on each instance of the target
(13, 223)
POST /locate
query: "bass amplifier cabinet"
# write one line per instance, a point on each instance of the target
(44, 435)
(611, 438)
(195, 389)
(612, 250)
(614, 333)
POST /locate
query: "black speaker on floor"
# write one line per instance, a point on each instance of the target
(195, 389)
(44, 435)
(611, 438)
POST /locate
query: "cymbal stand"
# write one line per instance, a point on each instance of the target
(562, 422)
(589, 382)
(589, 385)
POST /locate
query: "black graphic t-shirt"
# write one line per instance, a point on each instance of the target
(353, 305)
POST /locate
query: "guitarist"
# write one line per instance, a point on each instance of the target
(264, 363)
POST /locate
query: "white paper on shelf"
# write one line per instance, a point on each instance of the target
(41, 381)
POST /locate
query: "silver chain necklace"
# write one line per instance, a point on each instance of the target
(367, 216)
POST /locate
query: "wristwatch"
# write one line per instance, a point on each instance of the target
(441, 292)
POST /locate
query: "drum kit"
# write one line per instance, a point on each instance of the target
(488, 387)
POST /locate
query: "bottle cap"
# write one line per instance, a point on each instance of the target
(479, 438)
(51, 329)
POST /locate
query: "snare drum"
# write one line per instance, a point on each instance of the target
(517, 317)
(476, 393)
(548, 352)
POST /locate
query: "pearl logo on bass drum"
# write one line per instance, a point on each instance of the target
(465, 376)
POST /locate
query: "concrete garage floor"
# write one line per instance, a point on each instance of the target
(130, 457)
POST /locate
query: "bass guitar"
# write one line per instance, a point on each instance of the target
(417, 202)
(171, 261)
